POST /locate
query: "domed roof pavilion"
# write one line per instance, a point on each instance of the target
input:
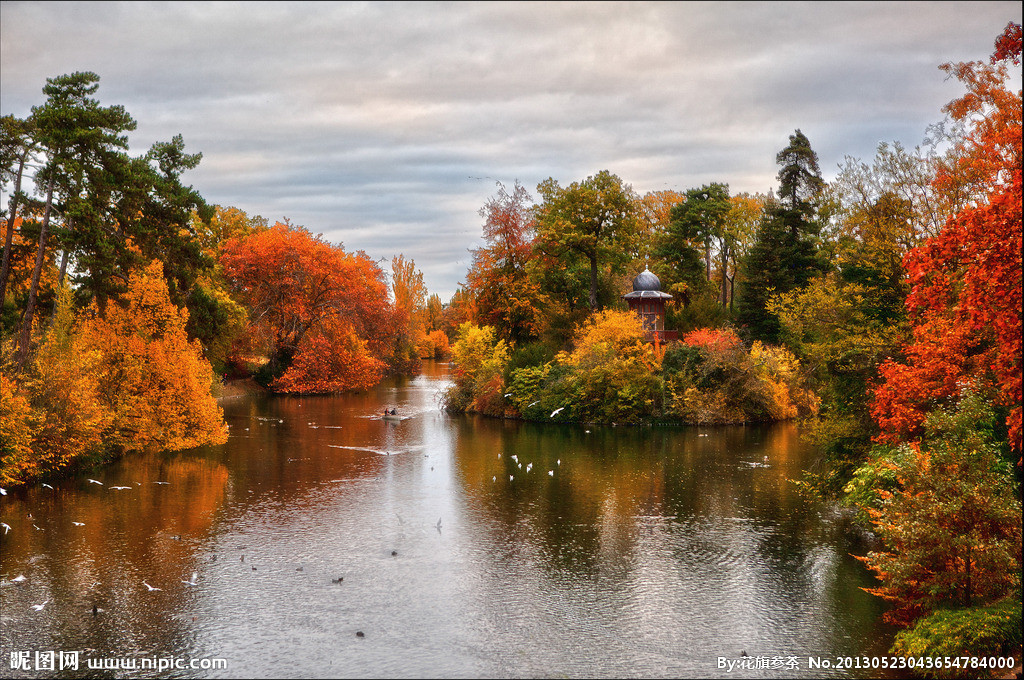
(648, 300)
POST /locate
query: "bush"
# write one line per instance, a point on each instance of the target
(711, 378)
(479, 361)
(976, 632)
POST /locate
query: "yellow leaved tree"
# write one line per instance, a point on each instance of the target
(152, 380)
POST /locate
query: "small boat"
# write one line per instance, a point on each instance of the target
(394, 417)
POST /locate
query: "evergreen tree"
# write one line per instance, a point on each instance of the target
(785, 254)
(700, 219)
(77, 134)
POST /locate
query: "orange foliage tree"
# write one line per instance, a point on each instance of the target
(505, 296)
(950, 519)
(321, 314)
(965, 302)
(410, 312)
(152, 381)
(70, 417)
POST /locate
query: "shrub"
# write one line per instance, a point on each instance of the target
(975, 632)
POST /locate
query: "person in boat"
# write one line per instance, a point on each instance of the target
(394, 412)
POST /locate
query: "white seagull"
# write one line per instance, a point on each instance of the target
(557, 411)
(510, 478)
(195, 575)
(39, 607)
(151, 588)
(3, 491)
(551, 473)
(78, 524)
(6, 526)
(120, 487)
(529, 466)
(47, 485)
(161, 482)
(533, 403)
(95, 482)
(19, 578)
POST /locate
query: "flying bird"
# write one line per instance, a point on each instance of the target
(3, 491)
(510, 478)
(529, 466)
(78, 524)
(161, 482)
(120, 487)
(96, 482)
(19, 578)
(438, 525)
(6, 526)
(151, 588)
(557, 411)
(551, 473)
(47, 485)
(39, 607)
(195, 575)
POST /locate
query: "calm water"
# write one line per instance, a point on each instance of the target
(622, 552)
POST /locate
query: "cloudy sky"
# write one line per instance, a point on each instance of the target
(385, 126)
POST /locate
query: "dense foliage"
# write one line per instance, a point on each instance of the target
(122, 290)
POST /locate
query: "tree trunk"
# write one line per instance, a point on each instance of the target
(26, 323)
(725, 268)
(5, 270)
(967, 590)
(707, 258)
(63, 268)
(593, 282)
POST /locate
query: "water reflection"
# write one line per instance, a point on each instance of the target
(621, 552)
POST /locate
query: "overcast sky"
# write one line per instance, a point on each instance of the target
(385, 126)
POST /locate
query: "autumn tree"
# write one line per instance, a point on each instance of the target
(294, 284)
(965, 299)
(71, 418)
(745, 211)
(152, 380)
(409, 312)
(478, 362)
(653, 217)
(506, 297)
(946, 510)
(595, 219)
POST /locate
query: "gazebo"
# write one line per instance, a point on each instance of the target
(648, 300)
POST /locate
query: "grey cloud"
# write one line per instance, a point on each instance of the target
(385, 125)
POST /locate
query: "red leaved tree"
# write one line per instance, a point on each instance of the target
(321, 315)
(965, 302)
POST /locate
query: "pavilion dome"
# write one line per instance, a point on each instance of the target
(646, 280)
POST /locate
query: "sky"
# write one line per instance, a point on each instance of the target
(386, 126)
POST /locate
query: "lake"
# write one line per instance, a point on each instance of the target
(461, 547)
